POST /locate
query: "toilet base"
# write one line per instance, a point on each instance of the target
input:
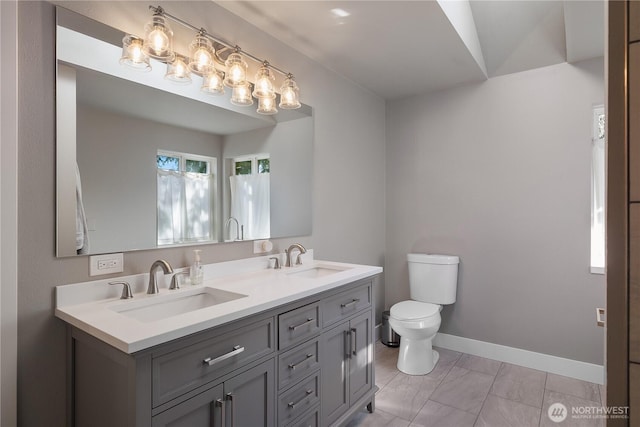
(416, 357)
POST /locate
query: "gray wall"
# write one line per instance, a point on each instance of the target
(118, 173)
(348, 202)
(499, 174)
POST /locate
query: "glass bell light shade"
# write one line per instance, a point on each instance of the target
(201, 54)
(289, 94)
(212, 82)
(264, 83)
(236, 70)
(133, 55)
(158, 40)
(241, 95)
(267, 105)
(178, 71)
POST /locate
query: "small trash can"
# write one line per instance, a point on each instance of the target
(387, 335)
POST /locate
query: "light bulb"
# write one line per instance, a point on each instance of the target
(267, 105)
(264, 82)
(212, 82)
(133, 55)
(159, 40)
(178, 71)
(201, 54)
(236, 70)
(241, 95)
(289, 98)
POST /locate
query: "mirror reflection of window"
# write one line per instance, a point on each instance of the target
(185, 197)
(250, 195)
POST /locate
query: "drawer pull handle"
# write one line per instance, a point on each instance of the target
(309, 320)
(236, 350)
(293, 366)
(347, 304)
(293, 405)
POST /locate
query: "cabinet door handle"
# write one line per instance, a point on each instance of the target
(293, 366)
(354, 348)
(293, 405)
(309, 320)
(347, 304)
(347, 344)
(236, 350)
(220, 404)
(233, 409)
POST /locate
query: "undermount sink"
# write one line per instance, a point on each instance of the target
(160, 307)
(317, 271)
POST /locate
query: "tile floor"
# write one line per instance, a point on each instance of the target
(465, 390)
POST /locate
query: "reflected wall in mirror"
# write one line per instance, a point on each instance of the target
(144, 163)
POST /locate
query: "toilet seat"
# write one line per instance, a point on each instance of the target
(413, 310)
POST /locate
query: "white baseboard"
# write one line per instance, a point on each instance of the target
(543, 362)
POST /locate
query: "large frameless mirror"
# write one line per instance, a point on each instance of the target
(145, 163)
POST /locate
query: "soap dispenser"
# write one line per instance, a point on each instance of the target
(196, 274)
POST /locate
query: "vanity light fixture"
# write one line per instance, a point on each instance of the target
(133, 54)
(206, 54)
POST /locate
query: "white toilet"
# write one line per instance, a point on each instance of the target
(433, 280)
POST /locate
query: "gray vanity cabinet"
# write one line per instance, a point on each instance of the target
(243, 400)
(305, 363)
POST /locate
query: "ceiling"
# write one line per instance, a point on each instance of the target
(401, 48)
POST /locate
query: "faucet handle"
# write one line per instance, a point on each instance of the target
(175, 280)
(126, 289)
(276, 264)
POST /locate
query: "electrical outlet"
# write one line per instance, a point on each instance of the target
(105, 264)
(262, 246)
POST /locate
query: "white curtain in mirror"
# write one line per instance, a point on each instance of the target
(184, 207)
(250, 204)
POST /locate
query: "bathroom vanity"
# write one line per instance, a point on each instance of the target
(290, 347)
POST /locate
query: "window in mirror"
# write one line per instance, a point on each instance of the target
(250, 195)
(598, 191)
(185, 197)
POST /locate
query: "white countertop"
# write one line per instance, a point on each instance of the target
(87, 307)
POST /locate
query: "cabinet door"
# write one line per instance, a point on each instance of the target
(361, 357)
(203, 410)
(250, 397)
(335, 370)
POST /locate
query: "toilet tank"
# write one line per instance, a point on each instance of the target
(433, 278)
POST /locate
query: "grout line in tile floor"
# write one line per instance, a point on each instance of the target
(509, 400)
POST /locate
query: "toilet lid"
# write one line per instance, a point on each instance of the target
(411, 310)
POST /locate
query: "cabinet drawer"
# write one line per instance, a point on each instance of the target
(180, 371)
(299, 399)
(345, 304)
(297, 363)
(310, 420)
(298, 325)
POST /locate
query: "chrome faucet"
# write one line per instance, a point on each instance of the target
(297, 246)
(166, 268)
(227, 225)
